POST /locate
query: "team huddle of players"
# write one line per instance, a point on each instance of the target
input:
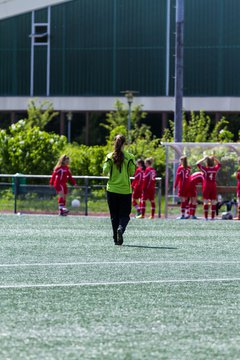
(187, 182)
(143, 186)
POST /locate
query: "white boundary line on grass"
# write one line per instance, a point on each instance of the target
(121, 263)
(110, 283)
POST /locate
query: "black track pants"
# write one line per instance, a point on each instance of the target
(120, 206)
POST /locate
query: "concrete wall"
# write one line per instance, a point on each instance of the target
(158, 104)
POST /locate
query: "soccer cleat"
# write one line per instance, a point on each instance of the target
(151, 217)
(193, 217)
(119, 235)
(63, 212)
(140, 216)
(182, 217)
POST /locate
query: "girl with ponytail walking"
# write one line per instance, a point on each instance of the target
(120, 166)
(59, 178)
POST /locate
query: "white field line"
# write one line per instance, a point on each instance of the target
(111, 283)
(97, 263)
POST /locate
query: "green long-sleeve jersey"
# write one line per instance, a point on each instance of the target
(119, 179)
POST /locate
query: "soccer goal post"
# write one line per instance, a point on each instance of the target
(226, 153)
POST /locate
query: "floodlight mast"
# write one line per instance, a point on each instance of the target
(179, 70)
(129, 94)
(69, 118)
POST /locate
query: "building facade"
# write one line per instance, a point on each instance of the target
(81, 54)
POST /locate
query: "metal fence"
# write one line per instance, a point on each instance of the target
(32, 193)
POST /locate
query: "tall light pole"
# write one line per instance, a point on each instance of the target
(179, 70)
(178, 78)
(69, 118)
(129, 96)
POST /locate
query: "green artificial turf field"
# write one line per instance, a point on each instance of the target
(172, 291)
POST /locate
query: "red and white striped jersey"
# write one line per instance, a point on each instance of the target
(149, 179)
(61, 175)
(137, 183)
(209, 173)
(238, 182)
(182, 177)
(238, 175)
(197, 178)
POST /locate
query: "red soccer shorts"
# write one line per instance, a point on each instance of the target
(61, 188)
(209, 192)
(137, 193)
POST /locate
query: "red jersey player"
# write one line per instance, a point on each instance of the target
(182, 181)
(137, 185)
(238, 189)
(195, 179)
(60, 176)
(148, 189)
(209, 183)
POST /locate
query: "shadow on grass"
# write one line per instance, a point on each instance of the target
(151, 247)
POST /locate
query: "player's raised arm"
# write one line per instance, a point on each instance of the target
(201, 160)
(215, 160)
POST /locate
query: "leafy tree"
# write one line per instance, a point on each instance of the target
(200, 129)
(39, 114)
(119, 117)
(142, 143)
(197, 129)
(29, 151)
(221, 133)
(168, 133)
(86, 160)
(26, 148)
(234, 125)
